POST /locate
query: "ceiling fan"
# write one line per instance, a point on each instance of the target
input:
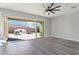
(51, 9)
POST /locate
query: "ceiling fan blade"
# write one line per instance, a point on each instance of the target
(52, 12)
(56, 7)
(45, 12)
(56, 10)
(44, 6)
(51, 5)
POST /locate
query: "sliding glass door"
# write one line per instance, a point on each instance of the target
(40, 29)
(25, 30)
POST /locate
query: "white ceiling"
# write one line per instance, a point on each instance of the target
(37, 8)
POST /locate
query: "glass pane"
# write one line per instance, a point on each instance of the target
(21, 29)
(40, 29)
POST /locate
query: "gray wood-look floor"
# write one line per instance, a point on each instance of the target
(43, 46)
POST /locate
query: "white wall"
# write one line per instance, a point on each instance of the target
(6, 12)
(66, 26)
(1, 27)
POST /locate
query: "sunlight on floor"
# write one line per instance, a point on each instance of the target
(24, 36)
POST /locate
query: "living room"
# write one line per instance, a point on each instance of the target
(39, 28)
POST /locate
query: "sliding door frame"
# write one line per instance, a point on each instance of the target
(6, 18)
(5, 28)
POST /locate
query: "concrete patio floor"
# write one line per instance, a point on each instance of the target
(24, 36)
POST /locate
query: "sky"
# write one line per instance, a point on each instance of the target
(21, 23)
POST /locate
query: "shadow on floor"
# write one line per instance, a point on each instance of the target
(14, 39)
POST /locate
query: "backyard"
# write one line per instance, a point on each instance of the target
(24, 30)
(24, 36)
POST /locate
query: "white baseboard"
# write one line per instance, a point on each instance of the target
(66, 38)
